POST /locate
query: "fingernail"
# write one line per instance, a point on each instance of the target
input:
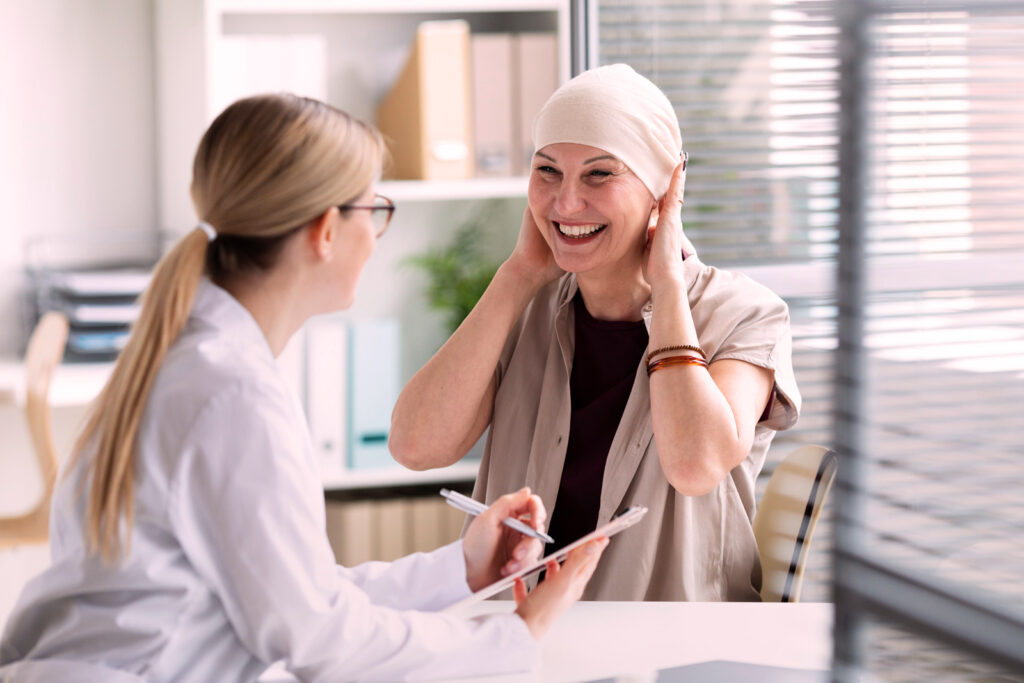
(512, 567)
(520, 552)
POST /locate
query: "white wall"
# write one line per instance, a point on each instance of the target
(77, 130)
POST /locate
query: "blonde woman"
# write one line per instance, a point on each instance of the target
(188, 532)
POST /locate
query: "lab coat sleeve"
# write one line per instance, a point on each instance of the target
(421, 581)
(247, 506)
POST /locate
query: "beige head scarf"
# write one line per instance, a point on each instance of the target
(616, 109)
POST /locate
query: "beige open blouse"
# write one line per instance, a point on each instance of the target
(686, 548)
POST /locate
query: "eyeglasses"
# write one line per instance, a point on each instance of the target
(381, 212)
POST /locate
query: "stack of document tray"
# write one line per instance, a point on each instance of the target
(101, 305)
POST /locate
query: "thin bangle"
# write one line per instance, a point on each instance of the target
(674, 360)
(677, 347)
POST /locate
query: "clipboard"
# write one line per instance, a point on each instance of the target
(623, 520)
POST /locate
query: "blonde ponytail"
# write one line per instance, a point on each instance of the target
(114, 421)
(266, 167)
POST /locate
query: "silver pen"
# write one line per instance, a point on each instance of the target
(475, 507)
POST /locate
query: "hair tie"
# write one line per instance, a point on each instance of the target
(211, 234)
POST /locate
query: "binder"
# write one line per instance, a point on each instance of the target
(374, 359)
(495, 107)
(326, 387)
(427, 115)
(537, 78)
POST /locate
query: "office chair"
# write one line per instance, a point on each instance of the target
(44, 353)
(786, 517)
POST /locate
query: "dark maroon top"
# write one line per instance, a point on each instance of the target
(606, 357)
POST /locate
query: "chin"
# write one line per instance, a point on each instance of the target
(574, 265)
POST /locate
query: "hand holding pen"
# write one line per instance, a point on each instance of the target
(492, 548)
(474, 507)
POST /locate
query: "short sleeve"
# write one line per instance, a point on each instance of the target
(747, 321)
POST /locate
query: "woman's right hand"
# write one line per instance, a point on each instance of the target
(562, 586)
(532, 258)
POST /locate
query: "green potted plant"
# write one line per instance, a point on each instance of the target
(458, 272)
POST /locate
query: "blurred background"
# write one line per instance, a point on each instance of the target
(863, 159)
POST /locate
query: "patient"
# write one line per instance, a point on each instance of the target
(611, 365)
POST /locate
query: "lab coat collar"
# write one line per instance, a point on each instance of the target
(215, 308)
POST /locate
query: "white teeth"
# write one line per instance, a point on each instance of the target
(579, 230)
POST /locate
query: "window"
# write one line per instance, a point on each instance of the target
(919, 202)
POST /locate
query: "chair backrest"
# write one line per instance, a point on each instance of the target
(44, 353)
(786, 517)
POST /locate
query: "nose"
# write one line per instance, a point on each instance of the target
(570, 199)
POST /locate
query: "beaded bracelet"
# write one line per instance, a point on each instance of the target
(678, 347)
(674, 360)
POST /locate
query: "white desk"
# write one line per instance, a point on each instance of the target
(595, 640)
(73, 384)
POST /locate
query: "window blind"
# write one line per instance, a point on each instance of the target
(917, 204)
(755, 87)
(932, 362)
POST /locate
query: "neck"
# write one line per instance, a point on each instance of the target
(614, 298)
(274, 300)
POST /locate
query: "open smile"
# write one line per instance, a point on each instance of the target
(580, 231)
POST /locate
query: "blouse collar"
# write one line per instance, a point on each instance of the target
(569, 286)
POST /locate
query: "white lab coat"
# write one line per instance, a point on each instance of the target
(230, 568)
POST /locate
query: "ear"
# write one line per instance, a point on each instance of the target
(321, 235)
(652, 220)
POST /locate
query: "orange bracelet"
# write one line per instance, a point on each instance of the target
(674, 360)
(678, 347)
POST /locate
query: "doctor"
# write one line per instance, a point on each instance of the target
(188, 531)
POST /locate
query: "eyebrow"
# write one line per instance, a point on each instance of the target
(588, 161)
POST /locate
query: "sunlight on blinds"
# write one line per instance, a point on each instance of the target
(753, 85)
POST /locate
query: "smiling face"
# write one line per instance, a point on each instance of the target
(591, 209)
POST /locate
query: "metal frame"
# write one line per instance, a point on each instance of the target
(583, 48)
(851, 295)
(863, 585)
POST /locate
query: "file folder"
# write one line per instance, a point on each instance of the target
(374, 359)
(427, 115)
(495, 132)
(537, 79)
(327, 387)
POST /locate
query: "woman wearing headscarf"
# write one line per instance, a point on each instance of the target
(611, 365)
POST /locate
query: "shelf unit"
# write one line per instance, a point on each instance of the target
(363, 46)
(366, 47)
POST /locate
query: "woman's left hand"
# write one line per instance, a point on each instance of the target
(493, 550)
(663, 261)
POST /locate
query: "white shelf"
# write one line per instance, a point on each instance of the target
(443, 190)
(380, 6)
(336, 479)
